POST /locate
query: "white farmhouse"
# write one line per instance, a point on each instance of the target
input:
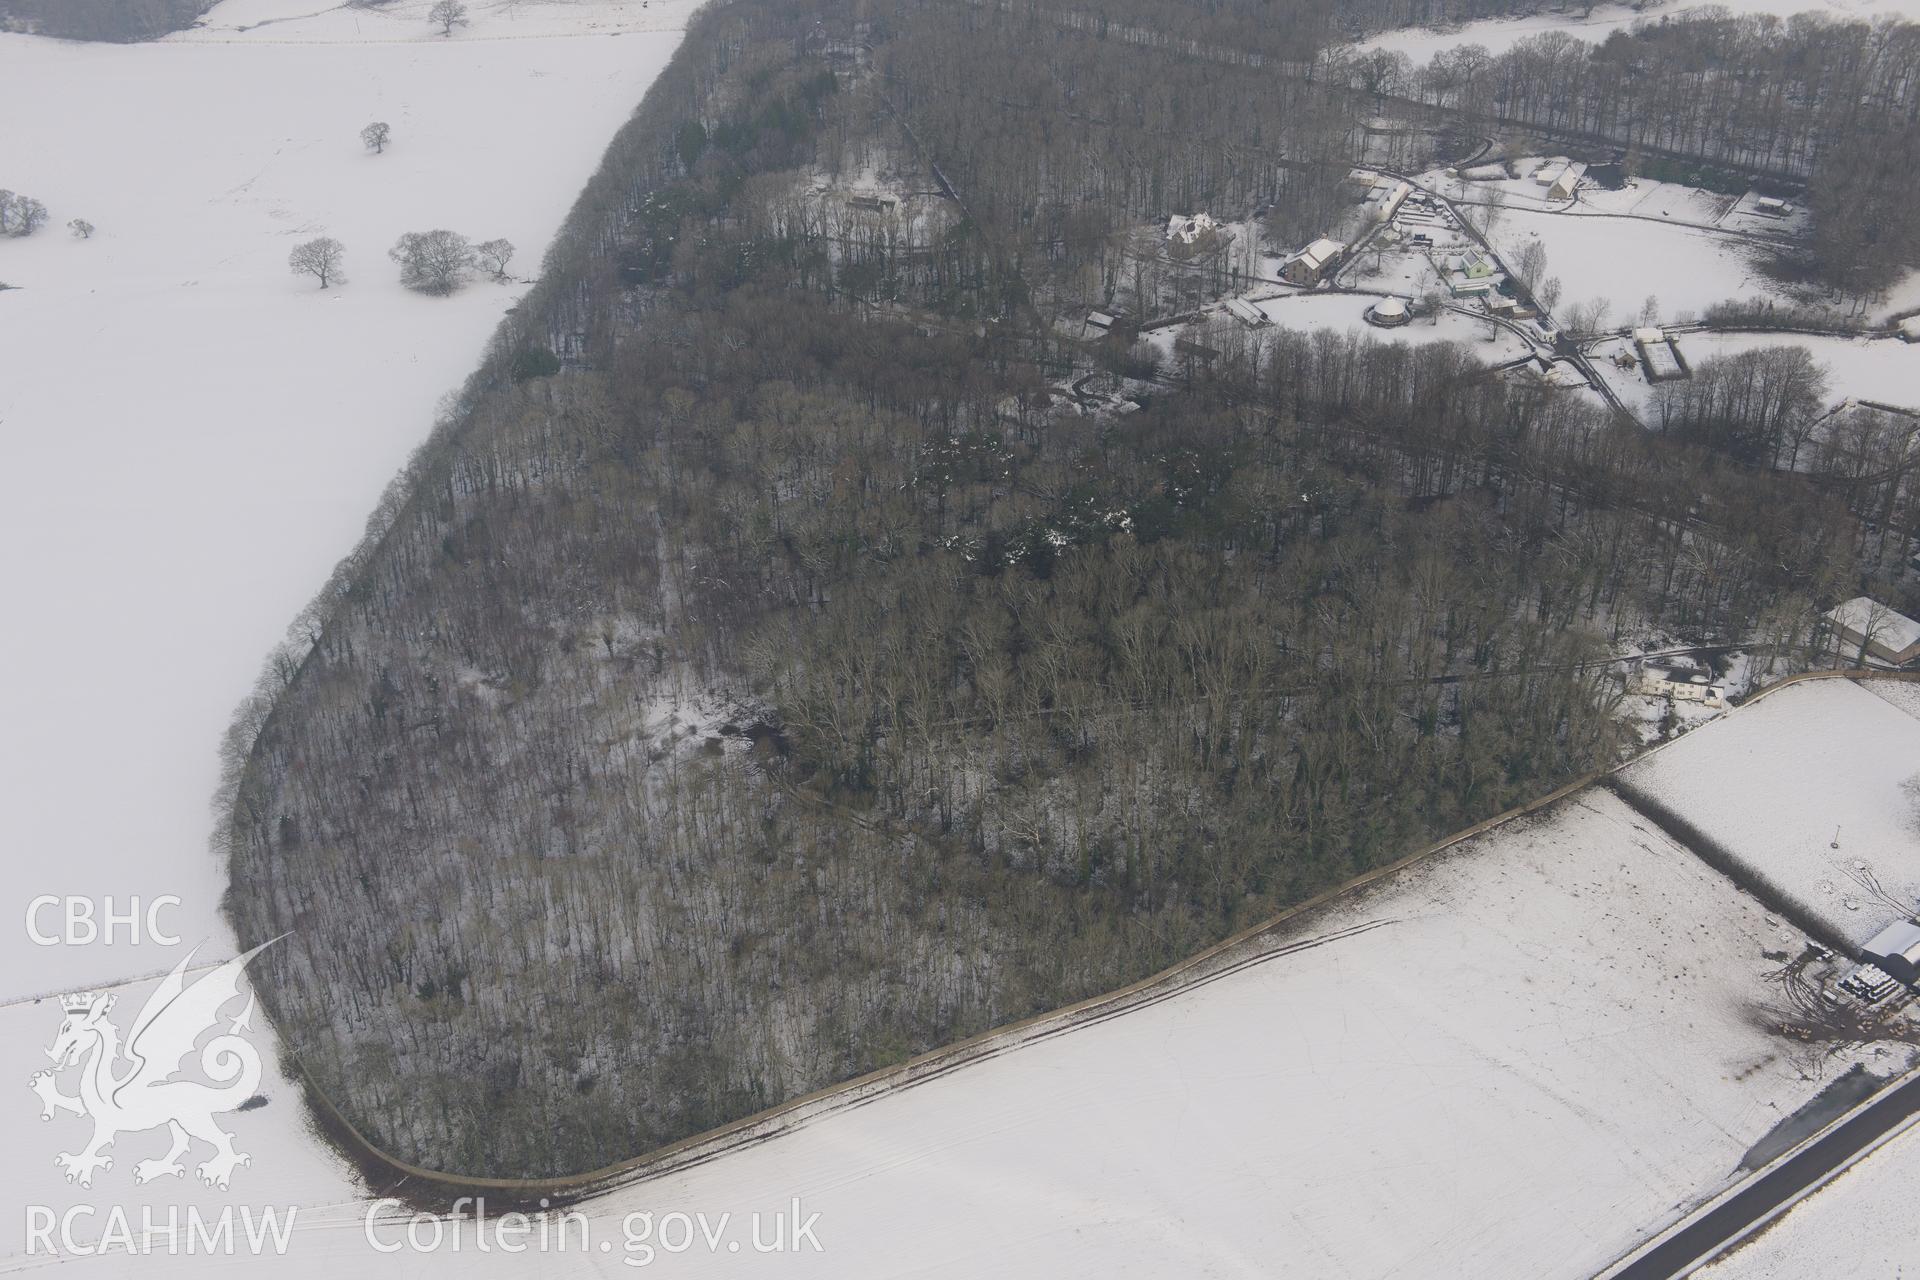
(1190, 229)
(1567, 181)
(1312, 264)
(1384, 201)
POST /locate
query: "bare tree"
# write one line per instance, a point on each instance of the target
(1550, 293)
(1383, 72)
(81, 228)
(1589, 316)
(320, 259)
(494, 255)
(375, 136)
(433, 262)
(1532, 263)
(1870, 624)
(447, 14)
(1494, 213)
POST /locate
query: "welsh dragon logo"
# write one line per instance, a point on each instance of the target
(133, 1088)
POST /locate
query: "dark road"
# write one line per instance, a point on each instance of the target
(1708, 1233)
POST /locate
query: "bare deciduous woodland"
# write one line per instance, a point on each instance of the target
(758, 679)
(102, 19)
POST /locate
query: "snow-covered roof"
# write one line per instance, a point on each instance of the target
(1648, 337)
(1568, 176)
(1865, 616)
(1319, 253)
(1100, 319)
(1872, 975)
(1390, 307)
(1549, 173)
(1189, 228)
(1910, 327)
(1901, 938)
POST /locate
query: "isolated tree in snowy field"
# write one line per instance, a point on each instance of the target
(432, 261)
(494, 255)
(447, 14)
(1550, 293)
(1649, 310)
(375, 136)
(21, 215)
(81, 228)
(320, 259)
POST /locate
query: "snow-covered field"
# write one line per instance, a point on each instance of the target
(194, 435)
(1775, 784)
(1500, 34)
(313, 22)
(1860, 1225)
(1627, 260)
